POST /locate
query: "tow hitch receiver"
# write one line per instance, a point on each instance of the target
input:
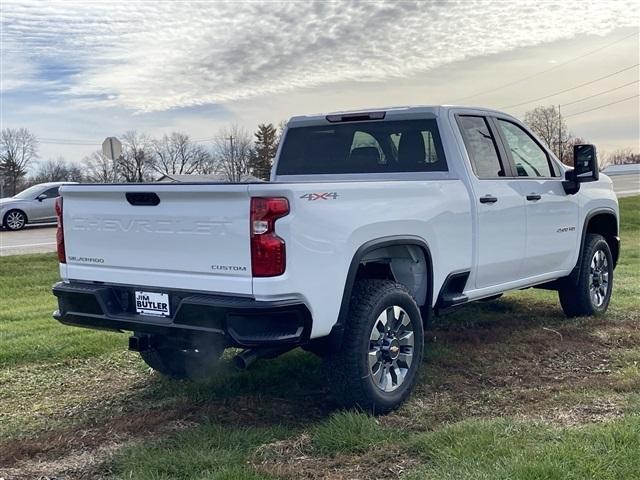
(139, 343)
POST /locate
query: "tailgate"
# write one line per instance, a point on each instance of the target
(195, 238)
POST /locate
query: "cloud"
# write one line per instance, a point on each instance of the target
(150, 56)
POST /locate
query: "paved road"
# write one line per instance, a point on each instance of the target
(43, 238)
(34, 239)
(626, 185)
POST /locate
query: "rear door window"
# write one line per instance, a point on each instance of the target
(363, 147)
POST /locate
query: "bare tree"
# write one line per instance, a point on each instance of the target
(622, 156)
(57, 171)
(568, 159)
(548, 124)
(99, 169)
(74, 173)
(177, 154)
(18, 148)
(209, 165)
(136, 160)
(232, 152)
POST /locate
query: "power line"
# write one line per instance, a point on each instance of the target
(63, 139)
(602, 106)
(210, 139)
(545, 71)
(571, 88)
(600, 93)
(65, 142)
(75, 142)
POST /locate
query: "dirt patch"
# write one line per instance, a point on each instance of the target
(77, 452)
(550, 374)
(294, 458)
(78, 465)
(563, 374)
(86, 437)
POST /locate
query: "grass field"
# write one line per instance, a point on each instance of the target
(509, 390)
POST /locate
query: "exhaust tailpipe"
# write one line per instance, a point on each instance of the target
(245, 358)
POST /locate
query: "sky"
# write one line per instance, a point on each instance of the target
(76, 72)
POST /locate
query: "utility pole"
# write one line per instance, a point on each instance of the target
(112, 149)
(559, 134)
(233, 162)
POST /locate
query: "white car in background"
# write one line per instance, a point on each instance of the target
(36, 204)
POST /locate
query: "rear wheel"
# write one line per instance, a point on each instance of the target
(376, 367)
(591, 292)
(182, 363)
(15, 220)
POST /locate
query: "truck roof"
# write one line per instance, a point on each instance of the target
(395, 111)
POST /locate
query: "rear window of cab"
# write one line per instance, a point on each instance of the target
(363, 147)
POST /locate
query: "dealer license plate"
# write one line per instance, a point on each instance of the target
(151, 303)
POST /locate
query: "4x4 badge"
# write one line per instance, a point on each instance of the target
(320, 196)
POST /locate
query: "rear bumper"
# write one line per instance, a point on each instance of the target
(244, 322)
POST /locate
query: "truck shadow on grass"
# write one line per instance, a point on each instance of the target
(513, 357)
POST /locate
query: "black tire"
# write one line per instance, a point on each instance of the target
(583, 296)
(351, 377)
(14, 220)
(175, 362)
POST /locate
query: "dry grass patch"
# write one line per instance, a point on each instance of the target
(295, 458)
(565, 374)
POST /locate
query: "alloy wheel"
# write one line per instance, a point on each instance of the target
(15, 220)
(391, 348)
(599, 281)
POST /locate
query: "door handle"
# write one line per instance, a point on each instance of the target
(532, 197)
(488, 199)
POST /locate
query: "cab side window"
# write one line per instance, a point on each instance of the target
(481, 147)
(529, 158)
(51, 192)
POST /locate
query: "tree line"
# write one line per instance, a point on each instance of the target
(234, 155)
(549, 125)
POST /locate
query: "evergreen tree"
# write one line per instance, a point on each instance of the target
(265, 147)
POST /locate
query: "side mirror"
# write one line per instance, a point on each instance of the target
(585, 168)
(41, 197)
(585, 162)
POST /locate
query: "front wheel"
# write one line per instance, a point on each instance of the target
(183, 363)
(376, 367)
(591, 293)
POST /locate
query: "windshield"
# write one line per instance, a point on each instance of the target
(29, 193)
(363, 147)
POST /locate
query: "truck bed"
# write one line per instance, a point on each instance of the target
(197, 238)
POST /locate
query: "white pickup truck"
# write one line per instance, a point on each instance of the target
(372, 221)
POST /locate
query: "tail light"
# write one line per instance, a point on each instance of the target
(268, 256)
(62, 256)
